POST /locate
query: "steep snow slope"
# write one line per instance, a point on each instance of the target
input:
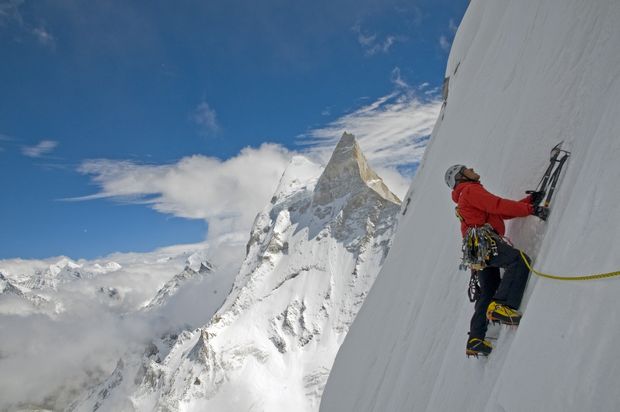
(171, 287)
(524, 75)
(312, 256)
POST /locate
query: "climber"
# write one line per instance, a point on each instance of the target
(499, 297)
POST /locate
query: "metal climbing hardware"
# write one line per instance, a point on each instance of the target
(549, 180)
(547, 186)
(479, 245)
(553, 181)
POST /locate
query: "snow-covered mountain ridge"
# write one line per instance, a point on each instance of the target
(44, 283)
(313, 253)
(523, 76)
(173, 285)
(41, 275)
(67, 333)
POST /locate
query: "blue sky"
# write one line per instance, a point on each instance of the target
(125, 126)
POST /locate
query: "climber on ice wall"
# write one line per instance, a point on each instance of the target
(482, 216)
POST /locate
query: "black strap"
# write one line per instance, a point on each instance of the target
(474, 287)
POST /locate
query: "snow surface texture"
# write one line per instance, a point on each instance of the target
(312, 256)
(65, 323)
(523, 76)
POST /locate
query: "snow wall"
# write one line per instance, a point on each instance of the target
(523, 76)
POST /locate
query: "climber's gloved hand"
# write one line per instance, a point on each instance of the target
(536, 196)
(541, 212)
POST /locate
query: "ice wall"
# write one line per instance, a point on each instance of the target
(523, 76)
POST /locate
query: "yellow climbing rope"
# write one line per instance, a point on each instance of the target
(586, 277)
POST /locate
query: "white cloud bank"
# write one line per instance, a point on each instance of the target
(49, 354)
(225, 193)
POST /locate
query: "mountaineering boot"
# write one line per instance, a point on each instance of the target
(477, 346)
(496, 312)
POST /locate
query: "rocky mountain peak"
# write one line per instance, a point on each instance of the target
(312, 256)
(347, 168)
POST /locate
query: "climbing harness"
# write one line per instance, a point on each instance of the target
(583, 277)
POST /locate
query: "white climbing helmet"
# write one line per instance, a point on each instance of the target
(451, 174)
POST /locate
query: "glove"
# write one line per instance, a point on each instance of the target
(541, 212)
(536, 196)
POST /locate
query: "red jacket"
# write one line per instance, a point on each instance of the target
(476, 207)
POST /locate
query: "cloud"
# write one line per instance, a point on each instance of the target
(90, 337)
(372, 44)
(226, 193)
(453, 26)
(392, 131)
(44, 37)
(89, 330)
(205, 117)
(444, 43)
(39, 150)
(397, 79)
(10, 15)
(423, 86)
(9, 12)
